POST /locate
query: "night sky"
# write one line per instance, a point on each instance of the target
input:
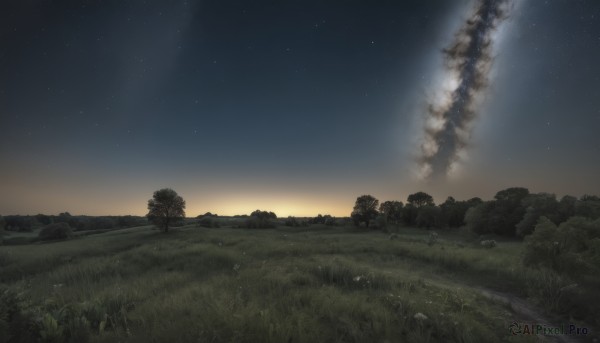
(295, 107)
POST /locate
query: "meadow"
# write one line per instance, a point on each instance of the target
(306, 284)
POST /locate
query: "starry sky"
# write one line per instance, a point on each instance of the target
(295, 107)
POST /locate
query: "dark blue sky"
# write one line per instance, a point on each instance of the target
(292, 106)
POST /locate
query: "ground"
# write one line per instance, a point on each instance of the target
(311, 284)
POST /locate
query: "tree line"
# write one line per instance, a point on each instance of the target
(513, 212)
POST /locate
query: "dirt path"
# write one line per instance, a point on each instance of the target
(527, 313)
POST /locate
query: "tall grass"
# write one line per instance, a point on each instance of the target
(224, 285)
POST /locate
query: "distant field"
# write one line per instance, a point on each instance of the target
(314, 284)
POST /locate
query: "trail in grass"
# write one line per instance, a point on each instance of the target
(525, 312)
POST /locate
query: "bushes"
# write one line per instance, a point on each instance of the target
(488, 243)
(208, 222)
(56, 231)
(572, 248)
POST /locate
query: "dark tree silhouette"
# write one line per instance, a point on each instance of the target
(420, 199)
(365, 209)
(392, 210)
(165, 208)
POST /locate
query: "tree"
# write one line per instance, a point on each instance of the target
(365, 209)
(536, 206)
(429, 216)
(261, 220)
(409, 214)
(588, 206)
(453, 212)
(420, 199)
(43, 219)
(165, 208)
(392, 210)
(476, 218)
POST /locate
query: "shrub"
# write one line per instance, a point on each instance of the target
(208, 222)
(56, 231)
(291, 221)
(380, 223)
(572, 248)
(488, 243)
(432, 239)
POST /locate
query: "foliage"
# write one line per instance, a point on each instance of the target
(499, 216)
(572, 248)
(429, 216)
(380, 223)
(392, 210)
(19, 223)
(490, 243)
(55, 231)
(453, 211)
(261, 220)
(537, 205)
(420, 199)
(588, 206)
(208, 222)
(409, 214)
(323, 219)
(365, 209)
(166, 208)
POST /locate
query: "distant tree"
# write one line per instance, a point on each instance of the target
(43, 219)
(100, 223)
(474, 201)
(19, 223)
(508, 211)
(588, 206)
(261, 219)
(55, 231)
(319, 219)
(566, 207)
(291, 221)
(2, 225)
(537, 205)
(130, 221)
(207, 214)
(329, 220)
(453, 212)
(392, 210)
(588, 197)
(166, 208)
(476, 218)
(429, 217)
(409, 214)
(420, 199)
(513, 194)
(365, 209)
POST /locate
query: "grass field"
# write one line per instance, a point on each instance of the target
(314, 284)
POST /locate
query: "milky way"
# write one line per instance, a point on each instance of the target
(467, 61)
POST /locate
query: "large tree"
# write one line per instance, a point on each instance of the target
(420, 199)
(165, 208)
(365, 209)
